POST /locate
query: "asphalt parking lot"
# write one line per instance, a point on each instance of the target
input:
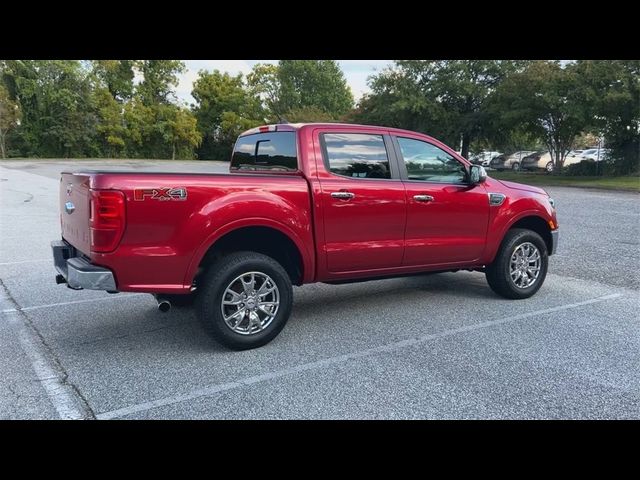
(427, 347)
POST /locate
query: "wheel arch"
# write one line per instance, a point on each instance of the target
(530, 220)
(257, 235)
(537, 224)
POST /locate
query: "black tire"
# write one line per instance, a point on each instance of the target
(515, 167)
(497, 273)
(549, 167)
(211, 291)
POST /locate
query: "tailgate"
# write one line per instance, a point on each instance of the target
(75, 210)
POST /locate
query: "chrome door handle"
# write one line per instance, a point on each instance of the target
(423, 198)
(343, 195)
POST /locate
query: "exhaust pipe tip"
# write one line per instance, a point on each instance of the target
(164, 305)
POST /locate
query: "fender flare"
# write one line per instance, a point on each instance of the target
(201, 251)
(490, 254)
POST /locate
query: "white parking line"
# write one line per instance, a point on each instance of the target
(89, 300)
(327, 362)
(61, 394)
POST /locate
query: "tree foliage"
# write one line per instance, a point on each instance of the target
(80, 109)
(297, 88)
(53, 96)
(446, 98)
(546, 100)
(612, 89)
(159, 78)
(318, 84)
(116, 76)
(224, 107)
(9, 118)
(128, 108)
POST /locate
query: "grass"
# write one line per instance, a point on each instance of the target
(627, 183)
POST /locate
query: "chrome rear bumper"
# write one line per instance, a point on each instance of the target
(79, 273)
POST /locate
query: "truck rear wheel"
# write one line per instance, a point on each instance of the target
(245, 300)
(520, 266)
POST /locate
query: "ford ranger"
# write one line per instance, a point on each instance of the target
(303, 203)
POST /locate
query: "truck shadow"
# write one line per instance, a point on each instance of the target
(311, 297)
(314, 304)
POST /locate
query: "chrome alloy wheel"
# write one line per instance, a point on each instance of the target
(250, 303)
(524, 266)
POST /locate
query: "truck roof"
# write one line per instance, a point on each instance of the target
(290, 127)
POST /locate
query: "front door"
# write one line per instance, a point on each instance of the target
(447, 218)
(363, 202)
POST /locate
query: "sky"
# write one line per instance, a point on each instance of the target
(355, 72)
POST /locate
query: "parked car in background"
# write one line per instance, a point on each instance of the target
(509, 162)
(484, 158)
(538, 161)
(594, 155)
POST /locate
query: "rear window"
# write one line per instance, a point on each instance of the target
(266, 151)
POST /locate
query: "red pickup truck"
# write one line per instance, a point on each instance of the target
(303, 203)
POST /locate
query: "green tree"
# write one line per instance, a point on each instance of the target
(445, 98)
(318, 84)
(116, 76)
(159, 79)
(54, 97)
(309, 115)
(181, 132)
(9, 118)
(159, 131)
(613, 89)
(224, 107)
(139, 123)
(547, 101)
(110, 126)
(263, 82)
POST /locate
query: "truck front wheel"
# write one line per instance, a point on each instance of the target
(520, 266)
(245, 300)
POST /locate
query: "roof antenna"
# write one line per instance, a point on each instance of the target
(282, 119)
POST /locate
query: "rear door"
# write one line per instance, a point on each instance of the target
(363, 200)
(447, 218)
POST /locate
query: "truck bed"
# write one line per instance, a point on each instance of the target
(167, 233)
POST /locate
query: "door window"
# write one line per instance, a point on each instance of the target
(356, 155)
(429, 163)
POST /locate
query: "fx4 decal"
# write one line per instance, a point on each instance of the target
(160, 193)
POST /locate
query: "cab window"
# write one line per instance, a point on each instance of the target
(429, 163)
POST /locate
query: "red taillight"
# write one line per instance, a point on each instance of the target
(107, 220)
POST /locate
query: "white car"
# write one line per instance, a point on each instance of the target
(484, 158)
(595, 154)
(573, 157)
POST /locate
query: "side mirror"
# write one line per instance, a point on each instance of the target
(477, 174)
